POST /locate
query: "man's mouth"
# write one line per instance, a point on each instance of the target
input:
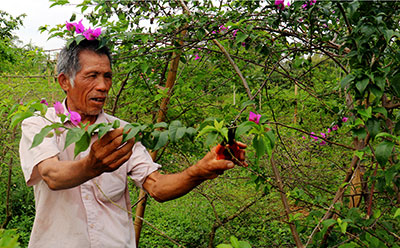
(98, 99)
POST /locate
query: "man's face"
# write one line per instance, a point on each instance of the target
(91, 85)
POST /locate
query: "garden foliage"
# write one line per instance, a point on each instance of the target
(323, 159)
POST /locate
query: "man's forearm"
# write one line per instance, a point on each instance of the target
(64, 174)
(167, 187)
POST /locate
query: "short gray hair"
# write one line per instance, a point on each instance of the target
(68, 59)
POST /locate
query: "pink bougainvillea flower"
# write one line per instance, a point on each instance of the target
(79, 28)
(313, 137)
(243, 44)
(324, 25)
(91, 34)
(74, 117)
(322, 143)
(69, 26)
(304, 6)
(323, 135)
(345, 119)
(234, 32)
(335, 128)
(280, 4)
(329, 130)
(196, 57)
(59, 108)
(222, 27)
(303, 137)
(44, 102)
(254, 117)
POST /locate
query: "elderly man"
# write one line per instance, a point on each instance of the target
(84, 201)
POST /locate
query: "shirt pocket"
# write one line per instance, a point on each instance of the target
(111, 186)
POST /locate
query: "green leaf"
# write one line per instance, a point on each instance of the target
(395, 84)
(190, 131)
(161, 125)
(348, 245)
(82, 144)
(244, 128)
(206, 129)
(173, 129)
(116, 124)
(73, 135)
(383, 152)
(329, 222)
(103, 130)
(386, 135)
(359, 154)
(381, 110)
(240, 37)
(373, 127)
(346, 81)
(247, 103)
(244, 244)
(18, 117)
(388, 33)
(92, 128)
(130, 131)
(397, 213)
(361, 85)
(144, 66)
(224, 246)
(38, 139)
(365, 113)
(162, 140)
(259, 145)
(59, 2)
(270, 135)
(79, 38)
(234, 242)
(211, 138)
(180, 132)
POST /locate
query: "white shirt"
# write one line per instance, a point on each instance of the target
(94, 214)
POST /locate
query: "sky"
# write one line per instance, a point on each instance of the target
(39, 14)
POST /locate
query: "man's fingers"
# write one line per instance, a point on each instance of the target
(110, 136)
(120, 160)
(115, 150)
(241, 145)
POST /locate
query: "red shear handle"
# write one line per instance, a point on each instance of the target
(236, 149)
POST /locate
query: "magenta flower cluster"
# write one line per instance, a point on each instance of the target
(90, 34)
(325, 135)
(254, 117)
(74, 117)
(308, 3)
(280, 4)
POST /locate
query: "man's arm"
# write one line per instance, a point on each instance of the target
(106, 155)
(170, 186)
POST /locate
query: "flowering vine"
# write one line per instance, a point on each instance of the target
(325, 135)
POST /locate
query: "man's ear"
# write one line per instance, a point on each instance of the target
(64, 82)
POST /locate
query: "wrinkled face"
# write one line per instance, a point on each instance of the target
(91, 85)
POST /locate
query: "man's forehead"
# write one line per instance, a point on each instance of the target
(92, 60)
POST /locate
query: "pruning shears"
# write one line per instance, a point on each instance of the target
(227, 149)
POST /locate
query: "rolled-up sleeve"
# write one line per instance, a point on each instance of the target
(140, 164)
(30, 157)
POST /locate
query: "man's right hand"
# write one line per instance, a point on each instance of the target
(108, 153)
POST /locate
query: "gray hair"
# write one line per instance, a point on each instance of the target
(68, 59)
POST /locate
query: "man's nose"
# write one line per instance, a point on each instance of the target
(103, 84)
